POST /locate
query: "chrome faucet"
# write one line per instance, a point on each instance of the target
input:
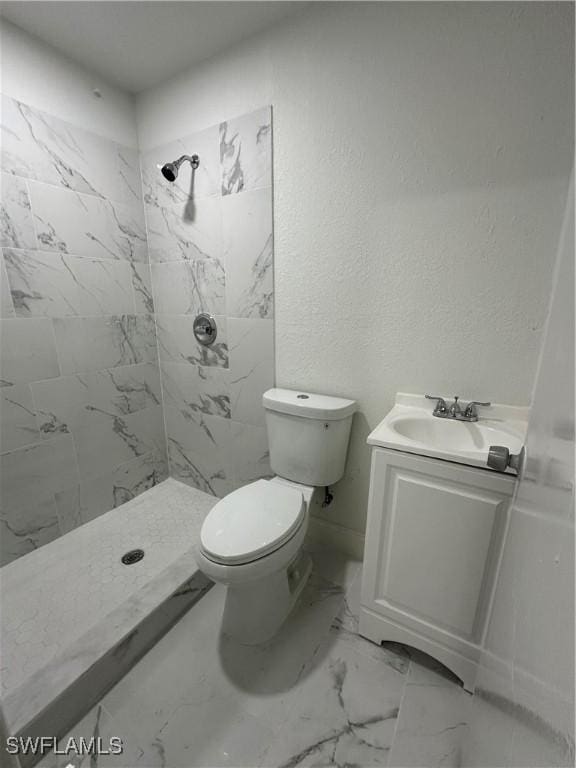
(454, 411)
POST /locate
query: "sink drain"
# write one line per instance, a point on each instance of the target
(134, 556)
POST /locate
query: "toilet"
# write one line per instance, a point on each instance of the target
(251, 541)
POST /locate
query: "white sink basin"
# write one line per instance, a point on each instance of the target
(411, 427)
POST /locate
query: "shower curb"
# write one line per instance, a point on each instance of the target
(56, 697)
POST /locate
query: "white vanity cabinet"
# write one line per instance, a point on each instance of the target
(434, 538)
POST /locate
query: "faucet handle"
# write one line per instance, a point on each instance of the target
(471, 408)
(441, 406)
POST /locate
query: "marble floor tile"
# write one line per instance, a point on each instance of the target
(98, 724)
(345, 713)
(433, 721)
(488, 741)
(237, 738)
(533, 748)
(345, 628)
(315, 695)
(502, 733)
(199, 698)
(343, 571)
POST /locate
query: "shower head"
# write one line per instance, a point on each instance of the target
(170, 170)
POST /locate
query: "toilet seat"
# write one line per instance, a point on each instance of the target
(252, 522)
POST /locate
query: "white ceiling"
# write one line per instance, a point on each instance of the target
(139, 43)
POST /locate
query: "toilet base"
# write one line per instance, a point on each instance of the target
(254, 612)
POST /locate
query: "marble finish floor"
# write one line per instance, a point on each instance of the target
(317, 694)
(65, 605)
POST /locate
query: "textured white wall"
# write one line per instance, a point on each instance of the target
(38, 75)
(421, 161)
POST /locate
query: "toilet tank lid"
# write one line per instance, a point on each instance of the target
(308, 405)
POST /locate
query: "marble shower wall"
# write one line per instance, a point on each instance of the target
(81, 411)
(211, 250)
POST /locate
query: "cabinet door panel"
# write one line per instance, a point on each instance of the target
(433, 541)
(438, 540)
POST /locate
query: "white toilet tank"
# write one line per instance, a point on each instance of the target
(308, 435)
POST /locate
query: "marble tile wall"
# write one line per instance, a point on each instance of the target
(81, 405)
(92, 380)
(211, 250)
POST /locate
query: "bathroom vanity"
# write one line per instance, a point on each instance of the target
(437, 518)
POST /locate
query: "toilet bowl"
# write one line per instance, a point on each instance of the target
(251, 541)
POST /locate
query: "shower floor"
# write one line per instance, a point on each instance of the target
(72, 603)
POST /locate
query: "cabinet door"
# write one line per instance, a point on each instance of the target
(433, 537)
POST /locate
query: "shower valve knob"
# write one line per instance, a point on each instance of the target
(205, 330)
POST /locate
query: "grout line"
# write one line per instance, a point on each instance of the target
(154, 315)
(6, 285)
(133, 277)
(56, 351)
(84, 373)
(71, 255)
(27, 318)
(70, 434)
(113, 201)
(397, 724)
(37, 444)
(33, 217)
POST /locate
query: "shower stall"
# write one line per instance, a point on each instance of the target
(119, 428)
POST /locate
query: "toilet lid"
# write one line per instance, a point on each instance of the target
(251, 522)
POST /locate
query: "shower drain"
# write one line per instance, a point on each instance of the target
(134, 556)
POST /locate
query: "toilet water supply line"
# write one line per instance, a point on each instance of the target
(328, 497)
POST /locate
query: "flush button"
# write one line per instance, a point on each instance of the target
(303, 397)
